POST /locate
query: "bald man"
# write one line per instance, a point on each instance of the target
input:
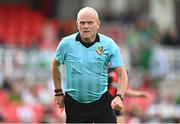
(85, 56)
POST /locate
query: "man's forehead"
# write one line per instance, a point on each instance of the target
(87, 15)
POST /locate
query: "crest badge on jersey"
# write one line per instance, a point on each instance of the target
(100, 50)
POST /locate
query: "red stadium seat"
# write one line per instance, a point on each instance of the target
(20, 24)
(4, 98)
(10, 113)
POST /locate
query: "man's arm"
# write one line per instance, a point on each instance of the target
(56, 75)
(136, 93)
(121, 91)
(123, 80)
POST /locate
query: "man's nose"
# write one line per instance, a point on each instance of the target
(86, 25)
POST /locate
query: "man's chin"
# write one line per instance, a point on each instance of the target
(86, 36)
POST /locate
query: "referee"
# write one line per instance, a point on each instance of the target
(85, 56)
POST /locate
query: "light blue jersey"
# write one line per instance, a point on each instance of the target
(86, 70)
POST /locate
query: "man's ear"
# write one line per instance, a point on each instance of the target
(77, 25)
(99, 23)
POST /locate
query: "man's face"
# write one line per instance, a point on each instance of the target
(88, 24)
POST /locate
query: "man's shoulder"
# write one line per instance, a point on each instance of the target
(70, 37)
(108, 41)
(104, 37)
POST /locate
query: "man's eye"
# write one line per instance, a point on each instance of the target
(82, 23)
(90, 22)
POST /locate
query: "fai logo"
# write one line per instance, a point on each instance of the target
(99, 50)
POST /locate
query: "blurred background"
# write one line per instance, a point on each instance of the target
(147, 32)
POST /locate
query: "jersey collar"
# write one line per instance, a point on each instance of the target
(87, 45)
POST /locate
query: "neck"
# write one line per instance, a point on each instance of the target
(88, 40)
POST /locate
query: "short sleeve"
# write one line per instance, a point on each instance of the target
(60, 52)
(115, 57)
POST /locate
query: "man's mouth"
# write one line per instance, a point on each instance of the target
(86, 31)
